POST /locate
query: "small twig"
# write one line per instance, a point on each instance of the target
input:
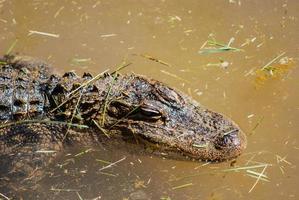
(246, 167)
(129, 113)
(79, 196)
(151, 58)
(70, 95)
(108, 35)
(5, 197)
(83, 152)
(258, 178)
(74, 112)
(175, 76)
(273, 60)
(43, 33)
(45, 151)
(100, 128)
(257, 124)
(182, 186)
(106, 100)
(112, 164)
(58, 11)
(64, 190)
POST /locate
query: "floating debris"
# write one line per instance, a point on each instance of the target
(63, 190)
(280, 159)
(5, 197)
(222, 64)
(108, 35)
(250, 116)
(45, 151)
(175, 76)
(83, 152)
(257, 124)
(165, 198)
(182, 186)
(103, 161)
(58, 11)
(43, 33)
(260, 176)
(106, 101)
(74, 92)
(273, 69)
(109, 174)
(100, 128)
(151, 58)
(112, 164)
(79, 196)
(11, 47)
(255, 174)
(212, 46)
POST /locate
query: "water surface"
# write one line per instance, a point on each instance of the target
(96, 35)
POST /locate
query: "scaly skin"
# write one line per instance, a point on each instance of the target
(126, 106)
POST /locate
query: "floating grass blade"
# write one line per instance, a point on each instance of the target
(64, 190)
(109, 174)
(103, 161)
(87, 83)
(175, 76)
(79, 196)
(129, 113)
(182, 186)
(106, 101)
(257, 124)
(70, 95)
(273, 60)
(12, 46)
(100, 128)
(216, 47)
(5, 197)
(258, 179)
(31, 32)
(112, 164)
(151, 58)
(83, 152)
(73, 114)
(122, 66)
(245, 167)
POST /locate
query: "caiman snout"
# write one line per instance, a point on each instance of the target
(230, 144)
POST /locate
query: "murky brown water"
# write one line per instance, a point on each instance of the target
(103, 33)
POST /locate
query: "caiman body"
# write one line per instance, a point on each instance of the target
(40, 111)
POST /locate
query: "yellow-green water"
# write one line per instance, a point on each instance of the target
(104, 33)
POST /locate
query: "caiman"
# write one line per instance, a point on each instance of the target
(44, 112)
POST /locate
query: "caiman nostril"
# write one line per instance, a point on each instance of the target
(232, 139)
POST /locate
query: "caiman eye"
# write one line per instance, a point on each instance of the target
(119, 109)
(143, 112)
(150, 113)
(168, 96)
(146, 112)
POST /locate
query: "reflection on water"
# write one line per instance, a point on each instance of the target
(165, 39)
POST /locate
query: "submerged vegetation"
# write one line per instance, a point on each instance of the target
(276, 68)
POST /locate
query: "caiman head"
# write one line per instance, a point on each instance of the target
(156, 113)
